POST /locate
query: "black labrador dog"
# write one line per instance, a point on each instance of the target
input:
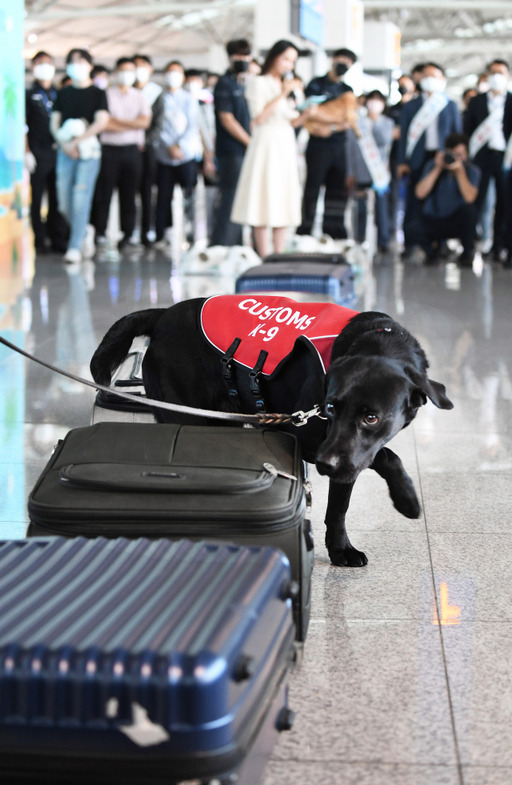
(375, 384)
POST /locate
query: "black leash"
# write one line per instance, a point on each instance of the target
(261, 418)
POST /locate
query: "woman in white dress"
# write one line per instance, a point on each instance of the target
(268, 190)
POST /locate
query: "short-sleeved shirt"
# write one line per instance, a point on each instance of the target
(446, 198)
(229, 96)
(80, 102)
(323, 85)
(126, 105)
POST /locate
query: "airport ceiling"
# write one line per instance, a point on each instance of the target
(463, 35)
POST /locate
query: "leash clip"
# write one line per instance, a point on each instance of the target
(303, 417)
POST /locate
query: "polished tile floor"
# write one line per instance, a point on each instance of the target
(406, 674)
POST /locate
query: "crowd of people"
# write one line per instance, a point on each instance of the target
(445, 169)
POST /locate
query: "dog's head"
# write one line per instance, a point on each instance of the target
(368, 401)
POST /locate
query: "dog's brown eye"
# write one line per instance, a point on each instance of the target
(371, 419)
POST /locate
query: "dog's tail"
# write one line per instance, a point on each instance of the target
(117, 341)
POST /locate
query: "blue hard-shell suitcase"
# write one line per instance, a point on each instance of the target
(333, 280)
(138, 661)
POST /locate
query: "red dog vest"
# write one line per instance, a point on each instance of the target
(271, 323)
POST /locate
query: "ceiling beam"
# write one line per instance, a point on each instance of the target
(166, 7)
(444, 5)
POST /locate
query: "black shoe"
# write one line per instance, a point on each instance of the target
(146, 242)
(465, 259)
(494, 255)
(507, 262)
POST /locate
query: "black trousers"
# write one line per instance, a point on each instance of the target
(43, 180)
(460, 224)
(224, 231)
(325, 166)
(167, 177)
(121, 168)
(490, 163)
(147, 181)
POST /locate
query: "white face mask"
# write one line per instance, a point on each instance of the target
(431, 84)
(78, 72)
(375, 106)
(44, 72)
(126, 78)
(142, 74)
(101, 82)
(497, 82)
(174, 79)
(195, 89)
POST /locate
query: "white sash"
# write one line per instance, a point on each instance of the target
(372, 158)
(485, 130)
(431, 108)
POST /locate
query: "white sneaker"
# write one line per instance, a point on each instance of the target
(101, 240)
(88, 246)
(73, 256)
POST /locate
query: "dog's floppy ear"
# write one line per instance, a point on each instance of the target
(427, 388)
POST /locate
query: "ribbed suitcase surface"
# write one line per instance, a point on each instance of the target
(334, 280)
(321, 257)
(143, 652)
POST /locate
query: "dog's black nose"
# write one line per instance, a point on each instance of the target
(328, 464)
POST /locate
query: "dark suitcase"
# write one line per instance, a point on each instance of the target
(334, 280)
(139, 661)
(128, 378)
(320, 257)
(156, 480)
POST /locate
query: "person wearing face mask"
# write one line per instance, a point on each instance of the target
(425, 122)
(195, 84)
(232, 135)
(122, 144)
(488, 123)
(100, 76)
(41, 156)
(367, 162)
(325, 156)
(154, 95)
(407, 89)
(80, 113)
(176, 149)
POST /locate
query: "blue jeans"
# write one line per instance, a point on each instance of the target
(76, 179)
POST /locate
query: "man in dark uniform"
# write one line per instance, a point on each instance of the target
(41, 156)
(325, 156)
(232, 128)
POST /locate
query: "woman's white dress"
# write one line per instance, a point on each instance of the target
(268, 191)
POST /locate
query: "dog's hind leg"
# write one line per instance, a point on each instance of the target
(341, 551)
(389, 466)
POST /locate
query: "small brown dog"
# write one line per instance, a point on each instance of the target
(339, 111)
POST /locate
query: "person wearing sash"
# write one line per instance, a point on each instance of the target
(448, 189)
(325, 155)
(41, 157)
(425, 123)
(488, 123)
(367, 161)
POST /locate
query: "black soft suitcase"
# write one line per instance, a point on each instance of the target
(333, 280)
(141, 661)
(156, 480)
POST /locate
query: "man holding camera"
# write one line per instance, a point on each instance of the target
(448, 189)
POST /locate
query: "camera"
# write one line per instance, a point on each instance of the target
(449, 157)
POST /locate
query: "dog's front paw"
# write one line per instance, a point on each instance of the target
(347, 557)
(406, 501)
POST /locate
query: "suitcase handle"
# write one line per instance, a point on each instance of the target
(158, 478)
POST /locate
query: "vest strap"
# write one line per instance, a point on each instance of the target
(227, 371)
(254, 380)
